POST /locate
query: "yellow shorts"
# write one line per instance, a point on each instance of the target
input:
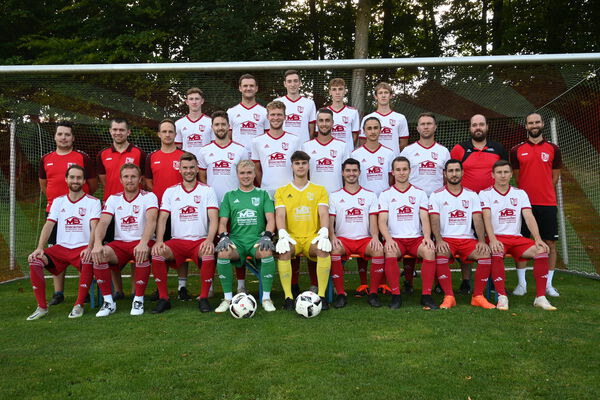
(303, 247)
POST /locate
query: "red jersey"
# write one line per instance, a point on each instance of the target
(53, 168)
(477, 163)
(163, 169)
(109, 161)
(535, 163)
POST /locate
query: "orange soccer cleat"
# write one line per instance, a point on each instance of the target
(481, 301)
(449, 302)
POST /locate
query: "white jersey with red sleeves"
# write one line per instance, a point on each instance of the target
(193, 135)
(456, 212)
(352, 211)
(298, 114)
(130, 216)
(274, 156)
(375, 167)
(326, 162)
(189, 210)
(403, 208)
(247, 123)
(426, 165)
(393, 127)
(73, 219)
(345, 122)
(505, 209)
(220, 164)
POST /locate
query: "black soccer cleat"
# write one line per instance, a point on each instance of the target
(162, 306)
(295, 290)
(396, 302)
(204, 305)
(57, 298)
(373, 300)
(465, 287)
(428, 303)
(408, 287)
(183, 294)
(324, 304)
(288, 304)
(340, 301)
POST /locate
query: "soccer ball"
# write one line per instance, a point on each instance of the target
(243, 306)
(308, 304)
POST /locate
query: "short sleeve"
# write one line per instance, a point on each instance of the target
(557, 160)
(355, 122)
(255, 154)
(484, 199)
(323, 199)
(166, 201)
(109, 205)
(89, 167)
(332, 203)
(525, 203)
(151, 201)
(95, 211)
(383, 202)
(476, 203)
(269, 207)
(211, 201)
(313, 113)
(434, 207)
(202, 164)
(423, 201)
(279, 198)
(403, 128)
(148, 167)
(225, 210)
(42, 169)
(374, 205)
(53, 214)
(99, 164)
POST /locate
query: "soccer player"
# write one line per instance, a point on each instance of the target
(300, 110)
(250, 213)
(271, 151)
(194, 220)
(536, 164)
(353, 229)
(394, 128)
(503, 206)
(193, 130)
(76, 215)
(404, 224)
(346, 121)
(248, 119)
(302, 219)
(134, 212)
(453, 210)
(52, 169)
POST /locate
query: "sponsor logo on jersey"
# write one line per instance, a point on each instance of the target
(255, 201)
(247, 213)
(458, 214)
(136, 209)
(404, 210)
(248, 125)
(108, 159)
(129, 160)
(222, 164)
(354, 211)
(324, 161)
(302, 210)
(427, 164)
(194, 137)
(375, 169)
(73, 221)
(277, 156)
(82, 211)
(338, 128)
(354, 215)
(130, 219)
(404, 213)
(294, 118)
(507, 212)
(188, 210)
(545, 156)
(465, 203)
(507, 216)
(74, 224)
(386, 130)
(514, 201)
(188, 213)
(176, 164)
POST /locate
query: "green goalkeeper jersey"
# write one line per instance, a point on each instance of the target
(246, 212)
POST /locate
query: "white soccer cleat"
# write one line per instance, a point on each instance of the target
(543, 303)
(268, 305)
(223, 307)
(107, 309)
(520, 290)
(552, 292)
(502, 303)
(38, 313)
(76, 312)
(137, 308)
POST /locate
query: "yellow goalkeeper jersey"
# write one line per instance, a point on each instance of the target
(301, 207)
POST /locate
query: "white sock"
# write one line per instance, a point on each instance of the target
(139, 298)
(228, 295)
(182, 283)
(521, 276)
(241, 283)
(108, 298)
(550, 276)
(266, 296)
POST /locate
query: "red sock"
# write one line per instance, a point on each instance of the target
(103, 278)
(482, 274)
(392, 272)
(295, 270)
(159, 270)
(498, 276)
(38, 282)
(85, 281)
(207, 271)
(427, 275)
(409, 269)
(240, 273)
(312, 272)
(337, 273)
(444, 276)
(362, 270)
(540, 273)
(377, 269)
(141, 274)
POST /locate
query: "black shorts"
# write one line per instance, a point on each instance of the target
(547, 220)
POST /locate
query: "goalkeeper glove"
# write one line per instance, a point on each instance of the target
(224, 243)
(283, 243)
(265, 242)
(322, 240)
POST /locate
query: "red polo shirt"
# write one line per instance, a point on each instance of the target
(477, 163)
(109, 161)
(163, 169)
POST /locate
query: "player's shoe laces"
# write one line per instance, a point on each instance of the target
(314, 288)
(223, 307)
(373, 300)
(340, 301)
(38, 313)
(182, 294)
(543, 303)
(288, 304)
(408, 287)
(57, 298)
(449, 302)
(552, 292)
(396, 302)
(162, 306)
(465, 287)
(481, 301)
(76, 312)
(204, 305)
(268, 305)
(107, 309)
(137, 308)
(325, 304)
(520, 290)
(502, 303)
(361, 291)
(428, 303)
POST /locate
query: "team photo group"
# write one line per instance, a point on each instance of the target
(262, 187)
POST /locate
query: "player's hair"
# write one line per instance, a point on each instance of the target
(66, 124)
(75, 166)
(351, 161)
(220, 114)
(400, 159)
(166, 120)
(246, 164)
(276, 105)
(484, 118)
(534, 113)
(119, 120)
(325, 111)
(187, 156)
(383, 85)
(290, 72)
(501, 163)
(427, 114)
(453, 161)
(300, 155)
(337, 82)
(195, 90)
(371, 119)
(130, 166)
(246, 76)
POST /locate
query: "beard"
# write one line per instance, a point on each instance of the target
(479, 136)
(534, 133)
(75, 187)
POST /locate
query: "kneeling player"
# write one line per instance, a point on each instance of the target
(353, 226)
(251, 213)
(75, 215)
(404, 224)
(503, 206)
(134, 212)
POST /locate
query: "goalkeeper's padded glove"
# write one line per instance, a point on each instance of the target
(283, 243)
(224, 243)
(322, 240)
(265, 242)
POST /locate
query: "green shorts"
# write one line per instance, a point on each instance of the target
(245, 249)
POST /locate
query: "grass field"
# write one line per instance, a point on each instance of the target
(353, 353)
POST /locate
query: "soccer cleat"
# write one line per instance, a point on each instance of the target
(76, 312)
(223, 307)
(502, 303)
(465, 287)
(340, 301)
(428, 303)
(241, 290)
(361, 291)
(137, 308)
(314, 288)
(552, 292)
(154, 296)
(324, 304)
(38, 313)
(481, 301)
(57, 298)
(107, 309)
(288, 304)
(204, 305)
(268, 305)
(118, 296)
(408, 287)
(520, 290)
(162, 306)
(449, 302)
(543, 303)
(384, 289)
(396, 302)
(373, 300)
(295, 290)
(183, 295)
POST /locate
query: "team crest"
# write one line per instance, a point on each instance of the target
(257, 117)
(310, 196)
(392, 122)
(255, 201)
(412, 199)
(333, 153)
(380, 160)
(197, 199)
(513, 201)
(285, 146)
(129, 160)
(345, 119)
(361, 201)
(230, 155)
(201, 128)
(70, 164)
(300, 109)
(465, 203)
(176, 164)
(545, 156)
(82, 211)
(136, 209)
(434, 155)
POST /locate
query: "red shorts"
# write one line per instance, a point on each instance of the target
(409, 246)
(124, 252)
(461, 247)
(61, 257)
(355, 246)
(183, 249)
(515, 245)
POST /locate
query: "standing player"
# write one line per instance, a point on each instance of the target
(404, 224)
(247, 119)
(194, 220)
(503, 206)
(251, 213)
(394, 128)
(134, 212)
(300, 111)
(453, 211)
(345, 118)
(76, 215)
(52, 169)
(536, 164)
(193, 130)
(353, 229)
(302, 218)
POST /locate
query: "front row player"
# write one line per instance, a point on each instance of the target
(134, 212)
(75, 215)
(503, 206)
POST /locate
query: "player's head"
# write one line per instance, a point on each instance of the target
(401, 169)
(324, 121)
(276, 114)
(131, 177)
(194, 98)
(383, 93)
(453, 171)
(248, 86)
(220, 124)
(350, 171)
(300, 163)
(337, 89)
(291, 81)
(478, 127)
(188, 166)
(534, 124)
(372, 128)
(119, 130)
(64, 135)
(426, 125)
(75, 177)
(502, 172)
(246, 172)
(166, 131)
